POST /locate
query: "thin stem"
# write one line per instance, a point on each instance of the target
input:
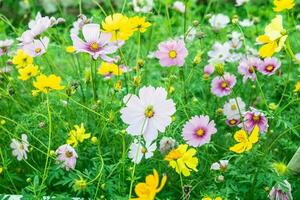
(93, 82)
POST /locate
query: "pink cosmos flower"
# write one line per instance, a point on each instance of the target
(247, 68)
(233, 122)
(96, 42)
(171, 53)
(208, 70)
(66, 156)
(20, 148)
(4, 46)
(37, 47)
(254, 117)
(198, 130)
(222, 85)
(269, 66)
(148, 113)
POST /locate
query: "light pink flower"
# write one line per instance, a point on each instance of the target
(269, 66)
(171, 53)
(138, 151)
(5, 45)
(20, 148)
(254, 117)
(179, 6)
(148, 113)
(234, 108)
(208, 70)
(96, 43)
(37, 47)
(66, 156)
(198, 130)
(247, 68)
(222, 85)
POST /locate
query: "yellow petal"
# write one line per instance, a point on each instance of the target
(241, 136)
(268, 49)
(238, 148)
(253, 138)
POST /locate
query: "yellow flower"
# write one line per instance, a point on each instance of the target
(245, 142)
(118, 25)
(28, 72)
(1, 170)
(21, 59)
(78, 135)
(297, 87)
(281, 5)
(182, 160)
(70, 49)
(118, 85)
(45, 83)
(208, 198)
(273, 106)
(108, 69)
(149, 189)
(280, 167)
(274, 38)
(80, 184)
(139, 24)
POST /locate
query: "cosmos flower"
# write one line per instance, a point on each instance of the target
(234, 108)
(240, 2)
(222, 85)
(149, 189)
(281, 5)
(119, 26)
(28, 72)
(66, 157)
(179, 6)
(20, 148)
(236, 40)
(142, 6)
(269, 66)
(233, 122)
(110, 69)
(282, 190)
(171, 53)
(148, 113)
(245, 142)
(219, 53)
(137, 151)
(221, 165)
(22, 59)
(182, 160)
(274, 38)
(246, 22)
(96, 43)
(208, 70)
(79, 23)
(36, 47)
(219, 21)
(77, 135)
(5, 45)
(254, 117)
(198, 130)
(247, 68)
(45, 83)
(139, 24)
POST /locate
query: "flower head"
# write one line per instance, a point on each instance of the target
(109, 69)
(45, 83)
(28, 72)
(247, 68)
(269, 66)
(254, 117)
(148, 113)
(220, 165)
(234, 108)
(182, 160)
(149, 189)
(166, 144)
(5, 45)
(20, 148)
(22, 59)
(171, 53)
(179, 6)
(280, 167)
(281, 5)
(198, 130)
(274, 38)
(219, 21)
(77, 135)
(208, 70)
(66, 156)
(281, 190)
(143, 6)
(222, 85)
(139, 24)
(36, 47)
(138, 151)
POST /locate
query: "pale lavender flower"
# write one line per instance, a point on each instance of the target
(137, 151)
(20, 148)
(281, 191)
(234, 108)
(247, 68)
(208, 70)
(36, 47)
(219, 53)
(5, 45)
(66, 156)
(179, 6)
(142, 6)
(219, 21)
(255, 117)
(222, 85)
(269, 66)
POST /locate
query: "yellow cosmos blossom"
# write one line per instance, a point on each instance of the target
(245, 142)
(70, 49)
(139, 24)
(297, 87)
(281, 5)
(80, 184)
(108, 69)
(22, 59)
(28, 72)
(45, 83)
(118, 25)
(182, 160)
(280, 167)
(208, 198)
(78, 135)
(274, 38)
(149, 189)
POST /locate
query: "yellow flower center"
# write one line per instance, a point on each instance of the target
(256, 118)
(144, 150)
(251, 69)
(270, 68)
(233, 107)
(22, 147)
(69, 154)
(224, 85)
(149, 112)
(172, 54)
(94, 46)
(232, 121)
(38, 50)
(200, 132)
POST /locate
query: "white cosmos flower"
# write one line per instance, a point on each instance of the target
(232, 109)
(219, 53)
(240, 2)
(36, 47)
(138, 151)
(20, 148)
(142, 6)
(148, 113)
(246, 23)
(220, 165)
(179, 6)
(219, 21)
(236, 40)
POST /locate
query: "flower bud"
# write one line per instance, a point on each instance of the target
(94, 140)
(219, 69)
